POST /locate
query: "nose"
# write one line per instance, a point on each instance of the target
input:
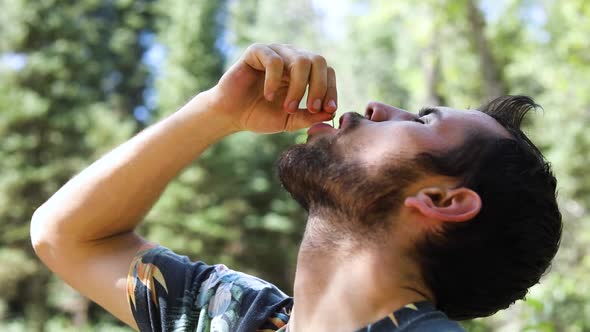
(378, 112)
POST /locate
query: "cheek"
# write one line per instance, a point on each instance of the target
(371, 148)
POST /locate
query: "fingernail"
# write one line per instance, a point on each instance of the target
(317, 104)
(293, 106)
(332, 103)
(270, 96)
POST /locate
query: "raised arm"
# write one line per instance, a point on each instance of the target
(85, 231)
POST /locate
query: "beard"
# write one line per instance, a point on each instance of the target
(329, 183)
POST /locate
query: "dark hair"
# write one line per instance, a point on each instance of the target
(478, 267)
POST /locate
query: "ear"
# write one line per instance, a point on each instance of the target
(452, 205)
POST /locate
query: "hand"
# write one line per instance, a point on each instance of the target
(262, 90)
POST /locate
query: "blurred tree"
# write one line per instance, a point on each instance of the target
(493, 85)
(275, 225)
(555, 66)
(373, 65)
(540, 51)
(73, 85)
(190, 217)
(228, 207)
(413, 54)
(429, 53)
(77, 77)
(191, 34)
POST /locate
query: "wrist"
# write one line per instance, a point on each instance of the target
(207, 106)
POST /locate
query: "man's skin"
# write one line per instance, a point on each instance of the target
(85, 231)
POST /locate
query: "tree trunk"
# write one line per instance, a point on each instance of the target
(490, 71)
(431, 68)
(36, 311)
(81, 312)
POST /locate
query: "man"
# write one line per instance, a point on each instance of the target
(413, 219)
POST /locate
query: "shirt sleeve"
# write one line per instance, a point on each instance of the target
(168, 292)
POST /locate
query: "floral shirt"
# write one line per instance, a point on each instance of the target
(168, 292)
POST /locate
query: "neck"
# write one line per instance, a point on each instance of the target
(343, 285)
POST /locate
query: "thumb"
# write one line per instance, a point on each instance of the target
(303, 119)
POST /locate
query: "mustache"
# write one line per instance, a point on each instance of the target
(354, 121)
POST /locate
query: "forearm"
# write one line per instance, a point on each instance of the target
(112, 195)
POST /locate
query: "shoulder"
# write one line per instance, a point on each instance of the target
(161, 264)
(194, 294)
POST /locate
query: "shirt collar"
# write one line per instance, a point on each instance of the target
(400, 318)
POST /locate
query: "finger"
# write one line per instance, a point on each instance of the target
(299, 66)
(318, 83)
(331, 97)
(264, 58)
(298, 80)
(303, 119)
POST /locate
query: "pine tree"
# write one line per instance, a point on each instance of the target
(228, 207)
(71, 97)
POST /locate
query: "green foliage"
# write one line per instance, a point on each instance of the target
(82, 76)
(188, 30)
(274, 227)
(69, 103)
(183, 219)
(202, 214)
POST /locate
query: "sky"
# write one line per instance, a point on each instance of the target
(333, 13)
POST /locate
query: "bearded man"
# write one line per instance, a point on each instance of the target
(414, 221)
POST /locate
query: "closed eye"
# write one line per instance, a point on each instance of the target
(422, 113)
(425, 111)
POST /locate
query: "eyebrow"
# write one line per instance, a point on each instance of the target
(430, 110)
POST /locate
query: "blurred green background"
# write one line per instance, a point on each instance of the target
(79, 77)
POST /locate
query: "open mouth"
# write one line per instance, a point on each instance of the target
(320, 128)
